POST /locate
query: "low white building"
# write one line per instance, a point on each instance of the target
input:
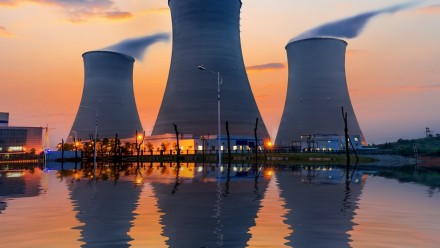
(328, 143)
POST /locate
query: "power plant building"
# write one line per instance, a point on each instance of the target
(4, 119)
(19, 139)
(108, 97)
(317, 89)
(207, 32)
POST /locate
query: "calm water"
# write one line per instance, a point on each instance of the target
(199, 206)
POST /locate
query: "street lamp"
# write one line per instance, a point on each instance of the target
(96, 134)
(219, 81)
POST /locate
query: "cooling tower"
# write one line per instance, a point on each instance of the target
(108, 88)
(316, 91)
(207, 32)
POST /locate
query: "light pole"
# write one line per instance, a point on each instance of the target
(96, 134)
(219, 81)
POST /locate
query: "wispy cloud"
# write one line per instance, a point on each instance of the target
(118, 15)
(415, 88)
(426, 87)
(266, 67)
(433, 9)
(80, 16)
(398, 90)
(8, 2)
(4, 32)
(80, 10)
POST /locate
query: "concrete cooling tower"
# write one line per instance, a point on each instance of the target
(108, 89)
(317, 89)
(207, 32)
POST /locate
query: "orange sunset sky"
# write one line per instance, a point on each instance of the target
(393, 66)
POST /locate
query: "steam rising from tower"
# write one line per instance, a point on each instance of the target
(135, 47)
(316, 91)
(108, 89)
(350, 27)
(207, 32)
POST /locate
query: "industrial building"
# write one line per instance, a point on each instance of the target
(327, 143)
(206, 35)
(4, 119)
(19, 139)
(107, 101)
(209, 143)
(317, 89)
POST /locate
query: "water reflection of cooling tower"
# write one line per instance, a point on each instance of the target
(207, 32)
(108, 88)
(322, 209)
(197, 215)
(317, 89)
(105, 209)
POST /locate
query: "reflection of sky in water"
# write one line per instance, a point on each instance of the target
(147, 229)
(39, 220)
(393, 214)
(197, 206)
(270, 229)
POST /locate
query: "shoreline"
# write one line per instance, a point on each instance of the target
(272, 158)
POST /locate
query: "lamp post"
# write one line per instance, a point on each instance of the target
(96, 134)
(219, 81)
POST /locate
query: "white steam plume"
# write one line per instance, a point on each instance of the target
(136, 47)
(349, 27)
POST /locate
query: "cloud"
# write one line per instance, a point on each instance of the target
(80, 10)
(64, 3)
(414, 88)
(266, 67)
(349, 27)
(118, 15)
(83, 10)
(8, 2)
(428, 86)
(136, 47)
(4, 32)
(433, 9)
(80, 16)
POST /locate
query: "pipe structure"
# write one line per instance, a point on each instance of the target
(207, 32)
(316, 91)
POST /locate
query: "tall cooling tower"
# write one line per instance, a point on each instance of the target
(108, 88)
(207, 32)
(317, 89)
